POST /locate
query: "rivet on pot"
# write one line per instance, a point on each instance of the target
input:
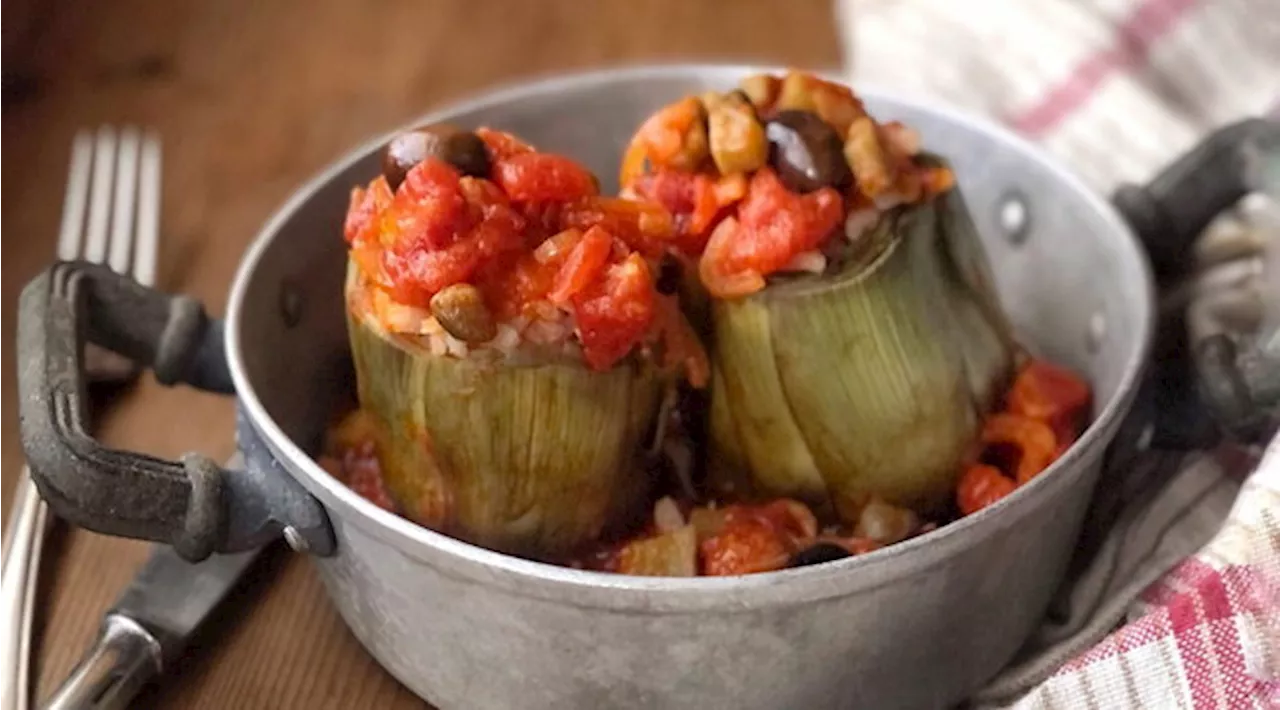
(1096, 333)
(1013, 217)
(290, 305)
(296, 540)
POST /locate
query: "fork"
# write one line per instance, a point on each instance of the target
(114, 177)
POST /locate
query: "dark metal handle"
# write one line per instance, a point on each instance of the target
(1191, 399)
(1170, 212)
(195, 505)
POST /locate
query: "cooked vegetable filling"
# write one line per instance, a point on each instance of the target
(530, 354)
(476, 240)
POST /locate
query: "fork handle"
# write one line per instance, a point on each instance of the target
(26, 533)
(124, 659)
(194, 504)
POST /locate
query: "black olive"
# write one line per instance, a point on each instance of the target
(463, 150)
(668, 275)
(818, 553)
(806, 152)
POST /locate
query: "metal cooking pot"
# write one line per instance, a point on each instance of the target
(917, 625)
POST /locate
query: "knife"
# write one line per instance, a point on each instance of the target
(149, 627)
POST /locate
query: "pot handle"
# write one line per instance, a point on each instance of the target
(1171, 211)
(195, 505)
(1199, 392)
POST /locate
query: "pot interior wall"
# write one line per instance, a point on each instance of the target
(1071, 279)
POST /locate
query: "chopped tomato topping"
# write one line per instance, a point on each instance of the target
(614, 314)
(713, 267)
(429, 210)
(773, 226)
(540, 177)
(1051, 394)
(362, 216)
(695, 199)
(557, 248)
(683, 349)
(501, 145)
(674, 137)
(744, 546)
(1027, 445)
(980, 486)
(584, 265)
(644, 226)
(537, 241)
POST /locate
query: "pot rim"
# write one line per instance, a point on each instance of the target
(675, 594)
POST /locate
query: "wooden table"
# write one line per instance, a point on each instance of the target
(251, 98)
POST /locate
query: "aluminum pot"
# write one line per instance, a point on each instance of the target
(917, 625)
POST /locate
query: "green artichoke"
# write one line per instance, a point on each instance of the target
(531, 459)
(868, 381)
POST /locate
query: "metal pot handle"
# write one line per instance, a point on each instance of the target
(1169, 213)
(195, 505)
(1236, 387)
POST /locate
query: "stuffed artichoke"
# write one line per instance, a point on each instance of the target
(857, 341)
(511, 345)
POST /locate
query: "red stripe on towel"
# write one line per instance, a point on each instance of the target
(1149, 21)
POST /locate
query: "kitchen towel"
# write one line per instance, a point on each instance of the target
(1175, 601)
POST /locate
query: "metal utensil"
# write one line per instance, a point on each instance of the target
(148, 628)
(113, 177)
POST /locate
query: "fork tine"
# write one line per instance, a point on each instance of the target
(146, 247)
(104, 159)
(77, 197)
(122, 212)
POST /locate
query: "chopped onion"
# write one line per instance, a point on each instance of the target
(812, 261)
(455, 347)
(888, 200)
(858, 222)
(667, 516)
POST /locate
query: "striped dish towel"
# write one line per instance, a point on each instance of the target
(1174, 602)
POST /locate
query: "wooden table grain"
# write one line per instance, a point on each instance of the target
(251, 98)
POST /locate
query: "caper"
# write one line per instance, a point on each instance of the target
(818, 553)
(737, 140)
(806, 152)
(460, 310)
(463, 150)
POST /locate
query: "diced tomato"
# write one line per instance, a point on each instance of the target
(773, 226)
(789, 517)
(980, 486)
(1032, 441)
(585, 264)
(1051, 394)
(502, 145)
(429, 210)
(417, 275)
(483, 197)
(714, 269)
(364, 476)
(511, 288)
(744, 546)
(695, 199)
(614, 314)
(555, 249)
(366, 206)
(539, 177)
(644, 226)
(681, 346)
(674, 138)
(779, 224)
